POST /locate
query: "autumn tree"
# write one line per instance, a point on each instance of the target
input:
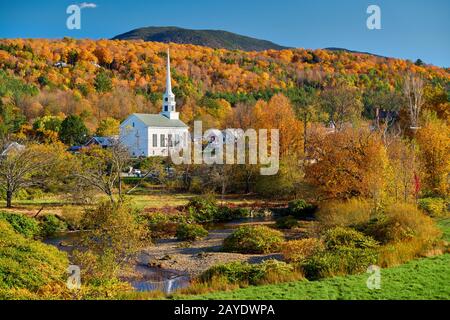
(348, 163)
(305, 101)
(288, 183)
(242, 117)
(102, 169)
(279, 114)
(434, 153)
(437, 100)
(108, 127)
(343, 104)
(382, 98)
(404, 167)
(113, 238)
(220, 177)
(46, 129)
(23, 166)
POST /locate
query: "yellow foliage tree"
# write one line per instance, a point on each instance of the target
(434, 145)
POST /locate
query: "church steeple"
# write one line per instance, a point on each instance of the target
(169, 103)
(168, 76)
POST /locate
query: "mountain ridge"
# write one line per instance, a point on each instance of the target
(217, 39)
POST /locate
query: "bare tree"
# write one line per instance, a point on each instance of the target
(23, 166)
(413, 87)
(343, 104)
(220, 176)
(102, 169)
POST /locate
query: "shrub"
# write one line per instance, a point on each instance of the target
(72, 217)
(405, 232)
(300, 209)
(288, 222)
(393, 254)
(190, 232)
(203, 208)
(26, 226)
(253, 239)
(241, 212)
(402, 222)
(434, 207)
(229, 214)
(51, 225)
(340, 261)
(243, 273)
(28, 264)
(347, 251)
(340, 237)
(114, 236)
(163, 225)
(344, 214)
(299, 250)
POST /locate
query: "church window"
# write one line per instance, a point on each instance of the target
(163, 140)
(155, 140)
(170, 140)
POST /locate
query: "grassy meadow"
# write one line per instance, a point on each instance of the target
(426, 278)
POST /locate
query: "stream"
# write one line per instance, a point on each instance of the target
(153, 278)
(148, 279)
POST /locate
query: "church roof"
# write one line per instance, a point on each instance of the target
(158, 120)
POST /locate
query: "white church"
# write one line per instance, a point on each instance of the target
(150, 135)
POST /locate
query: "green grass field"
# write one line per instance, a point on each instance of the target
(444, 224)
(427, 278)
(151, 198)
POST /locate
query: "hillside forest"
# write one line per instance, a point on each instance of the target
(50, 87)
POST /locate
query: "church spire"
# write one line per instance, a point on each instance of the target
(168, 76)
(169, 104)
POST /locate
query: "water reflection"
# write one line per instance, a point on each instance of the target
(163, 280)
(148, 279)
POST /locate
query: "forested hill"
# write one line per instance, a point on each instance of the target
(208, 38)
(113, 78)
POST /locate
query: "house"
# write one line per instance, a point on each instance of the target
(104, 142)
(148, 135)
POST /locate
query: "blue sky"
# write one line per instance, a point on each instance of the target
(411, 29)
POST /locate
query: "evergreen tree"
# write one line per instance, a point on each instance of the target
(73, 131)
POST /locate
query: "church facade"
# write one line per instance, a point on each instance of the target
(150, 135)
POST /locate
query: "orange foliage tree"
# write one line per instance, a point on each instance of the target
(279, 114)
(348, 163)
